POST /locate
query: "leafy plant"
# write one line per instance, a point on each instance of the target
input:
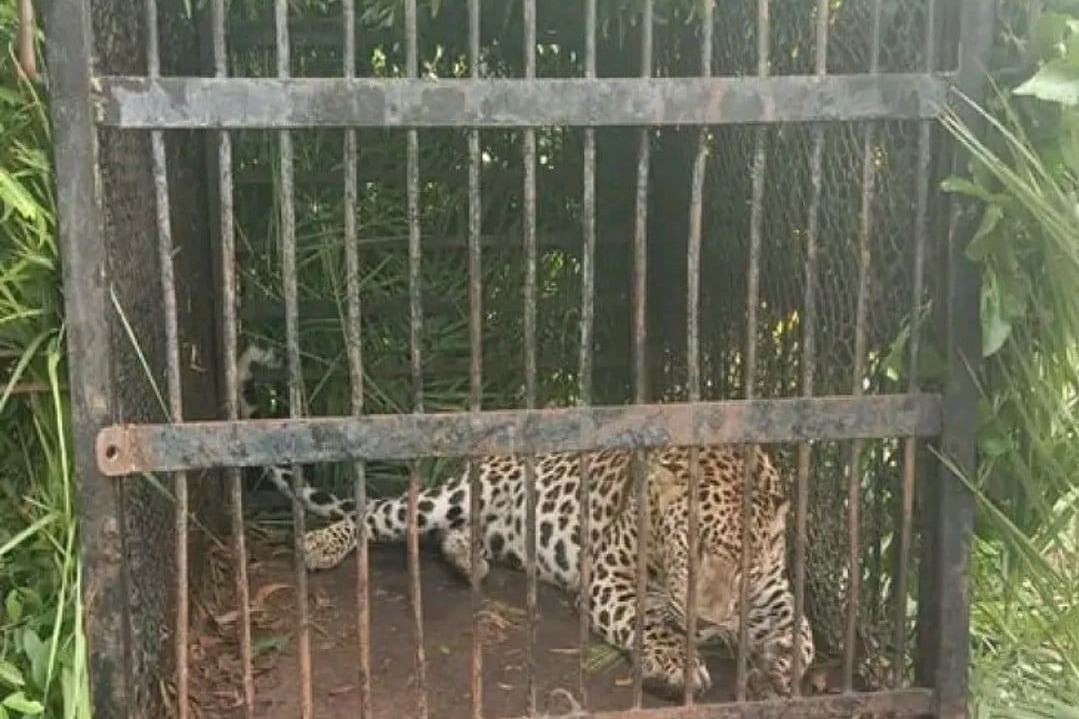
(1023, 179)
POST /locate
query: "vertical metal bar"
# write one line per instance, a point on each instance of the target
(809, 352)
(354, 338)
(752, 299)
(640, 234)
(640, 338)
(854, 569)
(588, 291)
(229, 341)
(292, 341)
(83, 246)
(412, 179)
(588, 213)
(172, 373)
(693, 354)
(530, 355)
(921, 238)
(475, 335)
(944, 631)
(415, 590)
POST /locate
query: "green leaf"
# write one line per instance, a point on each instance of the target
(1056, 81)
(38, 654)
(996, 326)
(13, 605)
(15, 197)
(963, 186)
(21, 703)
(10, 97)
(894, 361)
(980, 245)
(10, 675)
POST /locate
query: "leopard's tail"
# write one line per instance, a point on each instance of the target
(438, 508)
(316, 501)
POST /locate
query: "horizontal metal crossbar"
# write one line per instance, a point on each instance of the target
(234, 103)
(126, 449)
(898, 703)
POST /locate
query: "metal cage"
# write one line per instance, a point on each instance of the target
(127, 140)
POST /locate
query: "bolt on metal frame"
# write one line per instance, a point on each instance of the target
(84, 103)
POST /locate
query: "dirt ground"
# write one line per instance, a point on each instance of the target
(447, 641)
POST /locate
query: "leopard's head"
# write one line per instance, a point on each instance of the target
(718, 575)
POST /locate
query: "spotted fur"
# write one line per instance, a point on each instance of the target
(443, 511)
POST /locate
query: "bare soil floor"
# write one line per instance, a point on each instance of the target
(448, 628)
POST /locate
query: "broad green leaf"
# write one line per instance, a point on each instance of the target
(37, 652)
(21, 703)
(995, 325)
(1056, 81)
(13, 605)
(10, 674)
(980, 245)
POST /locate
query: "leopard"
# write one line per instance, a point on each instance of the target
(443, 513)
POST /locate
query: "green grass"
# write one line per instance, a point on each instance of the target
(42, 653)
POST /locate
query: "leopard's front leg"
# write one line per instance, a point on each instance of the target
(613, 612)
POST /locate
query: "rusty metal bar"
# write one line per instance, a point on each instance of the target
(640, 373)
(412, 180)
(921, 239)
(125, 449)
(588, 313)
(752, 299)
(911, 703)
(530, 311)
(270, 103)
(172, 373)
(693, 356)
(354, 338)
(809, 351)
(475, 374)
(854, 569)
(227, 239)
(83, 244)
(292, 344)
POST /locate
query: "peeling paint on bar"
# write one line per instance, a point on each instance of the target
(281, 103)
(126, 449)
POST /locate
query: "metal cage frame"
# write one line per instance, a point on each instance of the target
(85, 104)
